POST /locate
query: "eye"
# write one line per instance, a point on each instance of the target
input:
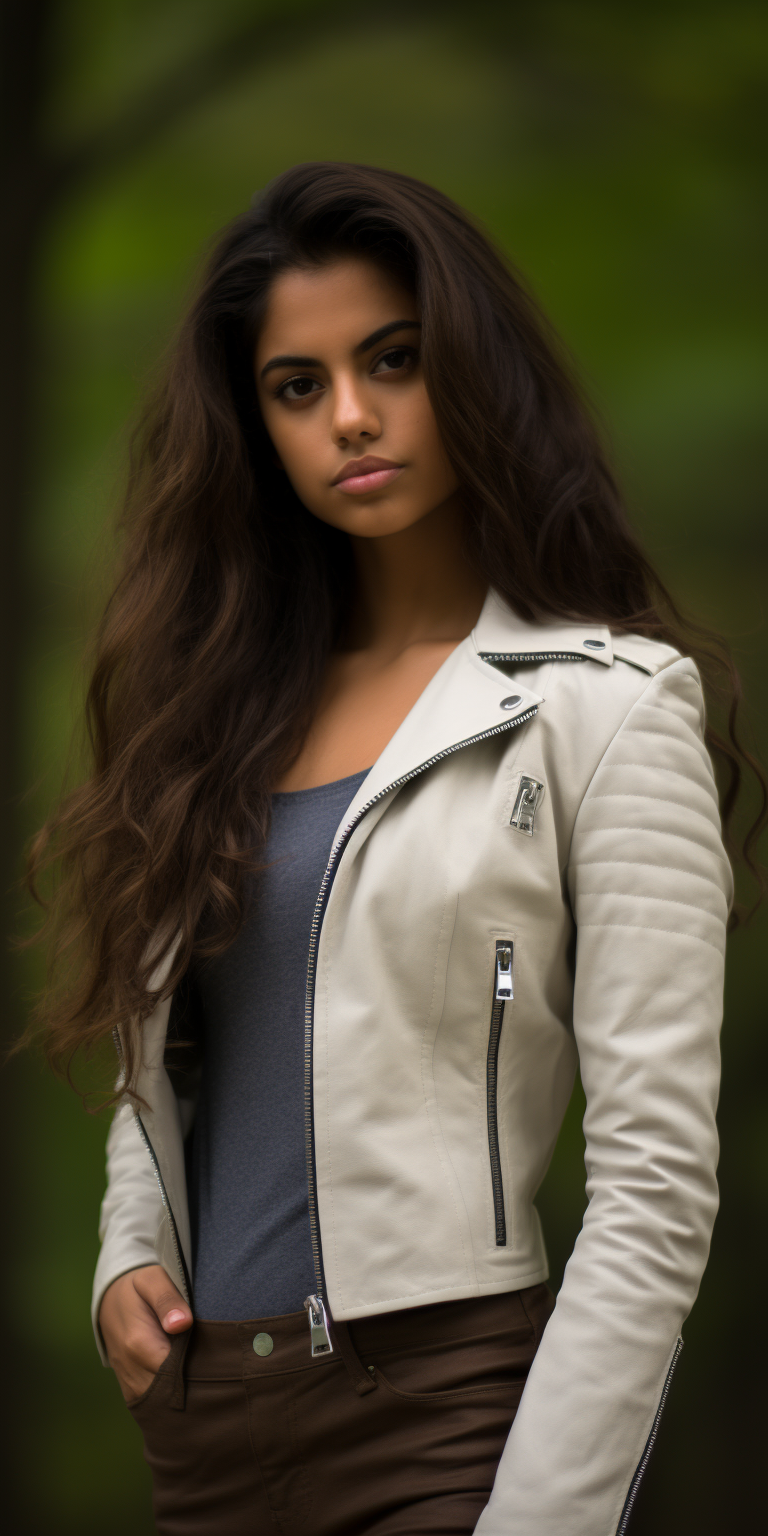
(396, 360)
(298, 388)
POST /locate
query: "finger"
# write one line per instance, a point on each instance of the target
(141, 1354)
(138, 1365)
(155, 1287)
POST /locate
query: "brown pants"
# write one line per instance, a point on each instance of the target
(240, 1442)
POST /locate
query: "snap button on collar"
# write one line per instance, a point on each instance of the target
(595, 645)
(511, 702)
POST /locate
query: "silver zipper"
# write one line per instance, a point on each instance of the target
(526, 804)
(317, 917)
(634, 1486)
(494, 656)
(319, 1335)
(503, 992)
(166, 1202)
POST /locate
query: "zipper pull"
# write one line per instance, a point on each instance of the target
(526, 804)
(504, 950)
(319, 1337)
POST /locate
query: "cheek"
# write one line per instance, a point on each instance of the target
(295, 444)
(431, 451)
(420, 427)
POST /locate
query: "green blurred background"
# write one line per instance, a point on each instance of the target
(614, 151)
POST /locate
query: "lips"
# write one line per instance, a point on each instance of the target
(368, 474)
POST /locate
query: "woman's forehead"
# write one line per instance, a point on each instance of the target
(338, 303)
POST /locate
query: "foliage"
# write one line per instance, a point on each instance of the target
(613, 152)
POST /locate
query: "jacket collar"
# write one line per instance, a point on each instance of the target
(500, 634)
(469, 697)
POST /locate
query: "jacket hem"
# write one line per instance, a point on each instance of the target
(535, 1276)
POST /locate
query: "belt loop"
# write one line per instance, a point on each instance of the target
(362, 1380)
(174, 1367)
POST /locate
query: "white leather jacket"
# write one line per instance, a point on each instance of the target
(531, 873)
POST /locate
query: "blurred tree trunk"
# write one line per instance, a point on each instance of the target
(23, 202)
(22, 42)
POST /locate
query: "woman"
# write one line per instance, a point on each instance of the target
(400, 807)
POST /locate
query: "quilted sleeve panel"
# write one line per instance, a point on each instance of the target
(650, 887)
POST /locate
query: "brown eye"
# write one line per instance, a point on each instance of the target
(395, 359)
(298, 388)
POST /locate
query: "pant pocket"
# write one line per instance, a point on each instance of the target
(163, 1378)
(509, 1391)
(495, 1362)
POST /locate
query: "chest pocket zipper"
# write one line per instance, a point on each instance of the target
(526, 805)
(502, 993)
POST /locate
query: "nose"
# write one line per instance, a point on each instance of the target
(354, 417)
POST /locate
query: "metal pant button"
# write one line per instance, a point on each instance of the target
(263, 1344)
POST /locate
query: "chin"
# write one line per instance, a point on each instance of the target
(371, 521)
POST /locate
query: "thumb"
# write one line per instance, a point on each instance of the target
(156, 1288)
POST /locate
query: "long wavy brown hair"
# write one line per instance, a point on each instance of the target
(231, 594)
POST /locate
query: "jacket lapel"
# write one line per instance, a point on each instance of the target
(467, 699)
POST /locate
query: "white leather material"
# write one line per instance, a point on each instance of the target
(131, 1211)
(649, 886)
(616, 907)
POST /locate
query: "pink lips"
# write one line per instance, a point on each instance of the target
(368, 474)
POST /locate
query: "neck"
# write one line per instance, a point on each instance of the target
(415, 586)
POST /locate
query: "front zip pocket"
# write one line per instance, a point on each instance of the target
(526, 804)
(502, 993)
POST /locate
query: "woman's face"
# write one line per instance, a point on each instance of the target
(343, 398)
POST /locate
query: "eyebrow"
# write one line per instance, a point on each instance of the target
(288, 360)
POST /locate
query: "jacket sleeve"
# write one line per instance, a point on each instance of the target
(131, 1211)
(650, 888)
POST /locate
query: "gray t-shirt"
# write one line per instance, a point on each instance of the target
(252, 1255)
